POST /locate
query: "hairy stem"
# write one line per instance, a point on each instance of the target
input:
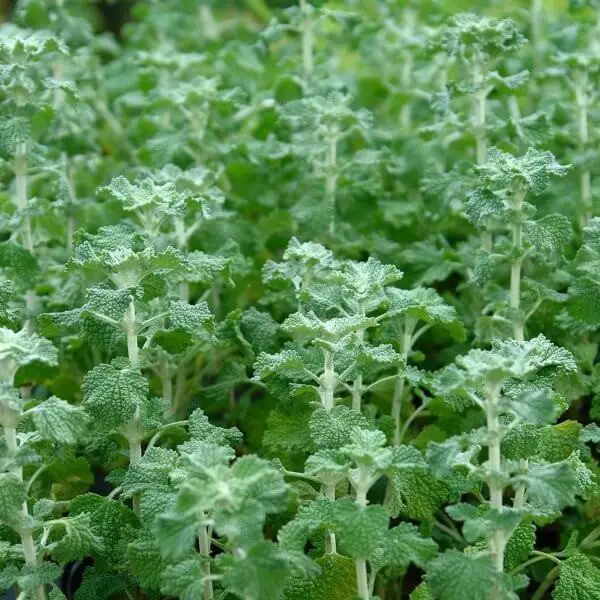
(407, 69)
(27, 541)
(179, 399)
(308, 40)
(585, 176)
(362, 580)
(328, 380)
(540, 593)
(361, 486)
(357, 387)
(21, 188)
(210, 25)
(331, 182)
(21, 202)
(204, 548)
(537, 17)
(515, 269)
(166, 380)
(407, 340)
(330, 541)
(132, 431)
(498, 538)
(133, 352)
(478, 124)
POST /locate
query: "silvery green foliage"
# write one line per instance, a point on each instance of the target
(299, 303)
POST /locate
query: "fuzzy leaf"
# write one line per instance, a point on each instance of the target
(59, 421)
(112, 395)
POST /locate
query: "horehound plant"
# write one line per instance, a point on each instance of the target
(217, 412)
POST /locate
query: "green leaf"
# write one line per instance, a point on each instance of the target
(557, 442)
(111, 522)
(20, 263)
(549, 235)
(331, 429)
(520, 545)
(22, 348)
(510, 358)
(483, 204)
(32, 576)
(364, 280)
(262, 573)
(579, 579)
(59, 421)
(190, 317)
(335, 581)
(425, 304)
(12, 496)
(551, 486)
(112, 396)
(162, 198)
(532, 171)
(288, 429)
(534, 407)
(77, 541)
(146, 561)
(200, 428)
(99, 585)
(457, 576)
(401, 546)
(479, 523)
(287, 362)
(591, 433)
(360, 528)
(472, 37)
(422, 592)
(331, 330)
(183, 580)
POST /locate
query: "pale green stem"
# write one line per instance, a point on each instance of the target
(330, 540)
(180, 399)
(181, 236)
(326, 393)
(21, 185)
(70, 231)
(328, 380)
(166, 381)
(515, 270)
(517, 319)
(361, 486)
(498, 538)
(362, 580)
(478, 114)
(582, 102)
(204, 547)
(357, 387)
(331, 182)
(22, 201)
(407, 68)
(132, 431)
(27, 541)
(478, 120)
(410, 419)
(590, 538)
(209, 24)
(540, 593)
(133, 352)
(160, 432)
(308, 40)
(537, 17)
(407, 341)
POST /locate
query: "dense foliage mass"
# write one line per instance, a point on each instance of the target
(300, 303)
